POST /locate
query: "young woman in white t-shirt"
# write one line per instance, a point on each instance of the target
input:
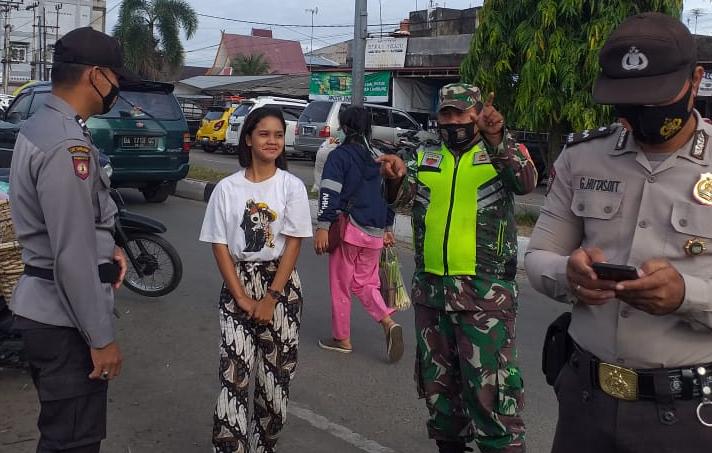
(256, 220)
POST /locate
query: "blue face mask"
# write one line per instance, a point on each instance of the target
(340, 136)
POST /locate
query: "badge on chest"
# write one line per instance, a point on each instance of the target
(703, 189)
(432, 160)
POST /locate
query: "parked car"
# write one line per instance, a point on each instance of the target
(213, 130)
(145, 135)
(291, 109)
(193, 116)
(320, 120)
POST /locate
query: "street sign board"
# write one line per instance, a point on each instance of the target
(336, 86)
(382, 53)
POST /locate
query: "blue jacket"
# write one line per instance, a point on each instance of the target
(352, 183)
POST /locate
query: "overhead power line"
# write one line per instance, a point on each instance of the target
(269, 24)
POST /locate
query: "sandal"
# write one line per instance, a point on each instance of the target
(332, 345)
(394, 343)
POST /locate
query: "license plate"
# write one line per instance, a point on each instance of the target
(308, 130)
(138, 142)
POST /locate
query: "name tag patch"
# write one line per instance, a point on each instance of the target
(599, 185)
(481, 157)
(432, 160)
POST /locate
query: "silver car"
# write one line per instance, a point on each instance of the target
(320, 120)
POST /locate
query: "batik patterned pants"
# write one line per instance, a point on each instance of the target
(268, 350)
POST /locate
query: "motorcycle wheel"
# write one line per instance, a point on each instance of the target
(159, 262)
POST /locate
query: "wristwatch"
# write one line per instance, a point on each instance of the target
(275, 294)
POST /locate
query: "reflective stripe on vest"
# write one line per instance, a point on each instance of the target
(450, 246)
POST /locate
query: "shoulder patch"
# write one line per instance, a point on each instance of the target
(81, 166)
(700, 145)
(580, 137)
(79, 149)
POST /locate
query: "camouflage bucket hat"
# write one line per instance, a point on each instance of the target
(461, 96)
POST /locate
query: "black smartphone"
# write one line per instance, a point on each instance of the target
(615, 272)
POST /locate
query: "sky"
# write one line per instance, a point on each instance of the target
(330, 12)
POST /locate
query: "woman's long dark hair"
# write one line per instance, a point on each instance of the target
(244, 152)
(355, 122)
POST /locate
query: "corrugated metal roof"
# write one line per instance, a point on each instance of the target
(211, 82)
(316, 60)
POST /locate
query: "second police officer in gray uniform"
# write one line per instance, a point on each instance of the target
(640, 375)
(64, 219)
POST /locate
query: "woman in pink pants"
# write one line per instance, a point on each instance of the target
(351, 185)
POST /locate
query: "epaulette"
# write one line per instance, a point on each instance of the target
(587, 135)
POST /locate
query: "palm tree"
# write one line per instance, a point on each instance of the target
(250, 65)
(149, 31)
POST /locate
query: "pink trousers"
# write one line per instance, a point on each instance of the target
(354, 269)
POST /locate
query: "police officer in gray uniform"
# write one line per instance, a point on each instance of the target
(64, 219)
(639, 193)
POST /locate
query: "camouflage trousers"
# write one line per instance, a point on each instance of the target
(466, 370)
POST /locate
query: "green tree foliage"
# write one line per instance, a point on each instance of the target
(250, 65)
(149, 31)
(540, 57)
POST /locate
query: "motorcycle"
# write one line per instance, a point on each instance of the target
(154, 265)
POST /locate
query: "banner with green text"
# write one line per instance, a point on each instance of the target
(336, 86)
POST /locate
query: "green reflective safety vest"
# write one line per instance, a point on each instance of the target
(451, 191)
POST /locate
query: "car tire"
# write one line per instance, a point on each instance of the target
(230, 149)
(158, 193)
(209, 148)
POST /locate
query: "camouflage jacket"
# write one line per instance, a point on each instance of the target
(496, 230)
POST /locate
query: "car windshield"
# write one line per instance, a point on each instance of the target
(214, 115)
(316, 112)
(243, 110)
(160, 106)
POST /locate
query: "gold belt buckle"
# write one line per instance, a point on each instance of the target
(618, 382)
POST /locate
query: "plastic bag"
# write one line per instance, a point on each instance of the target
(392, 287)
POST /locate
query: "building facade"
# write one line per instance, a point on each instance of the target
(33, 32)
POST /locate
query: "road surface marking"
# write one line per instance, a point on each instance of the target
(337, 430)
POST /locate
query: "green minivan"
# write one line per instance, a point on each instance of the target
(145, 135)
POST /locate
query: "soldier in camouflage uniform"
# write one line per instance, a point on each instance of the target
(462, 198)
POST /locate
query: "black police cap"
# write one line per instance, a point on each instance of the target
(93, 48)
(645, 61)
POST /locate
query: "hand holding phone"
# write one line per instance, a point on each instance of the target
(615, 272)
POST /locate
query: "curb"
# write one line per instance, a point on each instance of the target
(201, 191)
(194, 190)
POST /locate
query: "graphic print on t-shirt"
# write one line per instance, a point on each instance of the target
(256, 223)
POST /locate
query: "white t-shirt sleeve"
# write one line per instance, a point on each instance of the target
(215, 222)
(297, 215)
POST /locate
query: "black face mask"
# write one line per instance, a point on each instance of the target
(458, 137)
(109, 100)
(653, 125)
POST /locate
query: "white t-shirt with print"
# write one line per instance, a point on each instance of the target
(252, 219)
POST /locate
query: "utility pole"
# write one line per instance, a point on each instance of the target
(33, 62)
(5, 8)
(44, 47)
(314, 11)
(57, 7)
(697, 13)
(358, 73)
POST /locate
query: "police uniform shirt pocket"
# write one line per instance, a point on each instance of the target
(601, 216)
(596, 205)
(690, 234)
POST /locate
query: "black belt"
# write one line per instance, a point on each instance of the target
(628, 384)
(108, 272)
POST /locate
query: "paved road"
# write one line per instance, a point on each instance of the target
(303, 168)
(164, 399)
